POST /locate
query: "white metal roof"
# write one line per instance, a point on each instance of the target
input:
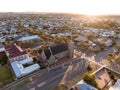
(30, 69)
(28, 60)
(29, 38)
(16, 69)
(19, 69)
(116, 86)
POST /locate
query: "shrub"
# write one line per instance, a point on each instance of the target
(89, 68)
(3, 60)
(90, 79)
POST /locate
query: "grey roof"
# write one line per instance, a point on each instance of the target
(59, 48)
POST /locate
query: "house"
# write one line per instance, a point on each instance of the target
(81, 38)
(82, 85)
(26, 25)
(15, 53)
(2, 39)
(18, 58)
(116, 86)
(61, 34)
(68, 34)
(108, 33)
(108, 42)
(102, 78)
(93, 45)
(56, 52)
(27, 38)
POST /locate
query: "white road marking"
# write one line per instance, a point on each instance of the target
(41, 84)
(32, 88)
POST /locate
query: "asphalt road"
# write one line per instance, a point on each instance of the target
(44, 80)
(101, 55)
(52, 78)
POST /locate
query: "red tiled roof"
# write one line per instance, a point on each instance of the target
(15, 51)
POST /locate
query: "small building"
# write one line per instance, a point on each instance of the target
(102, 78)
(15, 53)
(108, 42)
(27, 38)
(81, 38)
(2, 39)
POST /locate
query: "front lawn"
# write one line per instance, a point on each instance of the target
(5, 74)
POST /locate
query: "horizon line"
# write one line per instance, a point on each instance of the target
(33, 12)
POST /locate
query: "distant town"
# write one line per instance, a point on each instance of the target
(59, 51)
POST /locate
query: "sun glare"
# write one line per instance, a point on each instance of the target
(88, 7)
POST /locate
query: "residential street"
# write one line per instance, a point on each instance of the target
(100, 59)
(101, 55)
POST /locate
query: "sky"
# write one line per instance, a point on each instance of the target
(89, 7)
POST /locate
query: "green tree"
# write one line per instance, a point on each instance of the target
(29, 50)
(46, 26)
(117, 47)
(90, 35)
(62, 39)
(3, 60)
(27, 44)
(110, 57)
(84, 45)
(6, 43)
(89, 68)
(106, 24)
(90, 79)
